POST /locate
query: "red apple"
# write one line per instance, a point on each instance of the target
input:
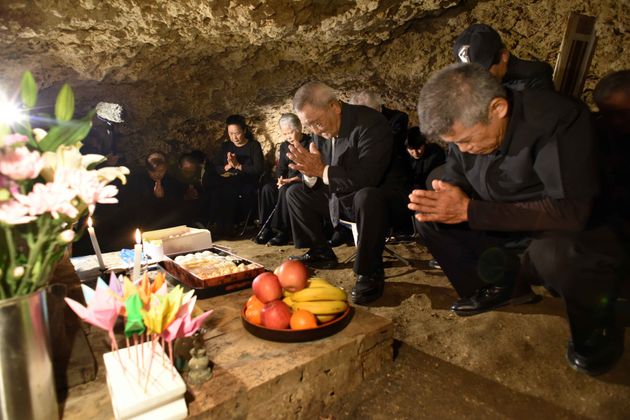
(276, 314)
(267, 287)
(293, 275)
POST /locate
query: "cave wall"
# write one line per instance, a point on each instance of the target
(180, 67)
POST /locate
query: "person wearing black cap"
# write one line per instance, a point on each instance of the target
(482, 45)
(520, 202)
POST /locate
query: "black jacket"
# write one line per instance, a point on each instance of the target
(523, 74)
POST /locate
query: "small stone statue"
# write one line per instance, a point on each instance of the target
(199, 370)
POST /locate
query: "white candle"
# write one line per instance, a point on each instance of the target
(97, 249)
(137, 256)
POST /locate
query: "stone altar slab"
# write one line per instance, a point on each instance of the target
(263, 379)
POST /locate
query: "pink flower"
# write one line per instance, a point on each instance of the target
(51, 198)
(87, 186)
(20, 163)
(11, 139)
(14, 213)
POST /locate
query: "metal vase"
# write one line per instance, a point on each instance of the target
(27, 385)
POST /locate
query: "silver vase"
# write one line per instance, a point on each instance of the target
(27, 385)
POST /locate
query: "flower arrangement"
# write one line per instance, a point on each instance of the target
(46, 186)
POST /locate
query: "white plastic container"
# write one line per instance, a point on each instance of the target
(175, 240)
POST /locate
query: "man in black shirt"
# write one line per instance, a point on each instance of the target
(517, 203)
(482, 45)
(360, 184)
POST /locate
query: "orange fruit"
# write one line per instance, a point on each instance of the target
(253, 314)
(255, 302)
(303, 320)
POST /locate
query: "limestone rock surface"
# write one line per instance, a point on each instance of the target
(179, 67)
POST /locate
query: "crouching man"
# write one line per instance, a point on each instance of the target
(518, 203)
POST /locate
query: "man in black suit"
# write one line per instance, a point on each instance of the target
(359, 184)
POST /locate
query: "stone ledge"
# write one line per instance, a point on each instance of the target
(257, 378)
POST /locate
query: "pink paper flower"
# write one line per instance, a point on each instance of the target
(11, 139)
(51, 198)
(14, 213)
(20, 163)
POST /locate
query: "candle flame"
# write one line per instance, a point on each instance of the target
(89, 221)
(138, 236)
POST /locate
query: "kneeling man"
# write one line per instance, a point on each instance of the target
(518, 203)
(360, 184)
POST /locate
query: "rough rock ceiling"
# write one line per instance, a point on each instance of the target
(180, 66)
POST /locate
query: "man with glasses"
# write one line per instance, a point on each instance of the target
(359, 184)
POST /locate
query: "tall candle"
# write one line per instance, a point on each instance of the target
(137, 256)
(97, 249)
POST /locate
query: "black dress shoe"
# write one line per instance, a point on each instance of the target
(599, 353)
(278, 240)
(489, 298)
(367, 289)
(318, 258)
(340, 237)
(264, 236)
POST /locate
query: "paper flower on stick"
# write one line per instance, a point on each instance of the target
(162, 310)
(134, 324)
(184, 325)
(114, 284)
(102, 308)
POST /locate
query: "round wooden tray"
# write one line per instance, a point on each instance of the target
(295, 336)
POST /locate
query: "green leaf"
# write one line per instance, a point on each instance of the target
(28, 89)
(68, 134)
(64, 107)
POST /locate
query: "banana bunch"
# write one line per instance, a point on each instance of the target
(321, 298)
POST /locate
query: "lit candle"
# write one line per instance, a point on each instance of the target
(137, 255)
(97, 249)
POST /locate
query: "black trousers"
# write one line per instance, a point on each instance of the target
(374, 211)
(232, 199)
(583, 267)
(270, 197)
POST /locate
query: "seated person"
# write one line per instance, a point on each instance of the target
(612, 96)
(192, 167)
(422, 158)
(360, 184)
(481, 44)
(273, 195)
(153, 197)
(239, 163)
(515, 206)
(398, 120)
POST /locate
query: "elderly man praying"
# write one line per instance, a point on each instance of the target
(359, 184)
(519, 203)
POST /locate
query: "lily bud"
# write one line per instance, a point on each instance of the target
(18, 272)
(66, 236)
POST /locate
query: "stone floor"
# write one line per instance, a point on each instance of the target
(509, 363)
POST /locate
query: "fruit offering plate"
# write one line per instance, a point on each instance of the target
(213, 271)
(295, 336)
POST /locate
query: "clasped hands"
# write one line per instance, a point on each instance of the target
(446, 204)
(308, 162)
(232, 162)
